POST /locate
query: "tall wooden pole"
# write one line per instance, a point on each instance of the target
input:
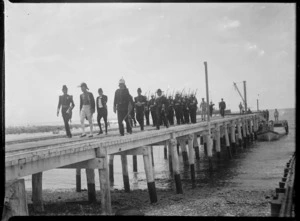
(209, 141)
(245, 96)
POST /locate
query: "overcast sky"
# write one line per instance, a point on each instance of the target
(152, 46)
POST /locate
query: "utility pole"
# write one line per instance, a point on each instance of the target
(209, 140)
(245, 96)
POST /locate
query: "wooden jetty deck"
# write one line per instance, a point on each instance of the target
(32, 158)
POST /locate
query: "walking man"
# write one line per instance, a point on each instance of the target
(193, 108)
(211, 108)
(123, 103)
(276, 114)
(241, 108)
(140, 102)
(67, 104)
(101, 110)
(222, 107)
(152, 108)
(203, 109)
(87, 108)
(161, 108)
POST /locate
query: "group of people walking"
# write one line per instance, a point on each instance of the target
(130, 109)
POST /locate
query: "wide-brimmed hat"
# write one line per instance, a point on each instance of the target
(83, 85)
(159, 90)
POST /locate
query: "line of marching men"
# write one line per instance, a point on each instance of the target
(162, 109)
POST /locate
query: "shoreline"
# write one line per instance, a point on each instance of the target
(204, 200)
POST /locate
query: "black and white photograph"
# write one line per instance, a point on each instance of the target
(183, 109)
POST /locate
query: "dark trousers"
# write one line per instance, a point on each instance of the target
(147, 117)
(140, 118)
(193, 115)
(179, 116)
(66, 118)
(121, 115)
(153, 115)
(171, 116)
(210, 112)
(161, 117)
(222, 112)
(102, 112)
(133, 118)
(186, 116)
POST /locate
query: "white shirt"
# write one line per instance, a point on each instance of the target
(99, 102)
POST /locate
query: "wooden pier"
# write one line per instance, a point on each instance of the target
(32, 158)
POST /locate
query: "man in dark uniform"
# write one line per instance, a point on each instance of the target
(101, 102)
(193, 108)
(67, 104)
(170, 111)
(123, 104)
(161, 106)
(140, 101)
(178, 109)
(185, 110)
(87, 108)
(222, 107)
(211, 108)
(152, 108)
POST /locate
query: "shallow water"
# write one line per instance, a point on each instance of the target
(259, 166)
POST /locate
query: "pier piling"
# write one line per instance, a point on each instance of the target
(209, 149)
(218, 142)
(165, 151)
(233, 141)
(37, 192)
(170, 157)
(90, 177)
(125, 173)
(227, 141)
(152, 157)
(192, 158)
(175, 164)
(185, 157)
(104, 182)
(78, 180)
(196, 147)
(244, 134)
(111, 168)
(240, 138)
(150, 175)
(134, 161)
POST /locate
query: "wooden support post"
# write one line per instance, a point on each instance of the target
(178, 151)
(256, 128)
(192, 159)
(125, 173)
(251, 130)
(152, 156)
(134, 161)
(204, 144)
(170, 157)
(196, 147)
(15, 200)
(184, 151)
(247, 131)
(244, 133)
(218, 142)
(227, 141)
(78, 180)
(209, 143)
(150, 175)
(37, 192)
(239, 133)
(104, 182)
(175, 162)
(165, 151)
(90, 177)
(111, 168)
(233, 141)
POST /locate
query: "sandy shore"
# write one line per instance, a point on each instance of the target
(204, 200)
